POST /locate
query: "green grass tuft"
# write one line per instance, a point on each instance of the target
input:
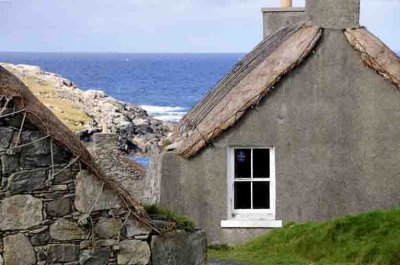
(372, 238)
(182, 222)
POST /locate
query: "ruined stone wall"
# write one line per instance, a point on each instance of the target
(117, 165)
(52, 211)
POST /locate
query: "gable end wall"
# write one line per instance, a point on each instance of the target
(335, 126)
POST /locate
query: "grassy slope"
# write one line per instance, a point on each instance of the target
(73, 117)
(371, 238)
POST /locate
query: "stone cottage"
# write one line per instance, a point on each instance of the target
(305, 127)
(58, 207)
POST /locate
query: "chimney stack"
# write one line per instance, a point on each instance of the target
(334, 14)
(277, 18)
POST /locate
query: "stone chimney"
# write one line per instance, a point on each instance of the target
(334, 14)
(277, 18)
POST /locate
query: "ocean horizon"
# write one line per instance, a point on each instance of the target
(165, 85)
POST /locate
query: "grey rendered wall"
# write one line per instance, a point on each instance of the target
(335, 125)
(277, 18)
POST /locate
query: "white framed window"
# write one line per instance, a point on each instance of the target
(251, 187)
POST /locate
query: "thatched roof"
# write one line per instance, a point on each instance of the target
(247, 83)
(375, 54)
(39, 115)
(251, 79)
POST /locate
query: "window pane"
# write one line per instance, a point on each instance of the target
(242, 195)
(261, 195)
(261, 163)
(242, 163)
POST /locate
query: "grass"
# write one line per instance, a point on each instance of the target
(157, 212)
(73, 117)
(369, 239)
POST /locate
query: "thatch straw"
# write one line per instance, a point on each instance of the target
(375, 54)
(39, 115)
(248, 82)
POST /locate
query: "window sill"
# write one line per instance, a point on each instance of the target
(243, 223)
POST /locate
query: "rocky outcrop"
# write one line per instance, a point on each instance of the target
(94, 111)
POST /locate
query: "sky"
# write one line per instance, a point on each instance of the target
(157, 26)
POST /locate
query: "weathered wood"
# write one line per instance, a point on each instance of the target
(250, 89)
(375, 54)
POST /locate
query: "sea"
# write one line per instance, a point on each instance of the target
(166, 85)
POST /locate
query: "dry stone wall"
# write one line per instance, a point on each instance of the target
(53, 211)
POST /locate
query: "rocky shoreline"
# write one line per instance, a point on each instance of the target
(91, 111)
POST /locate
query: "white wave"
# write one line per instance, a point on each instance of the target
(165, 113)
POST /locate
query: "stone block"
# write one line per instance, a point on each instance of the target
(6, 135)
(65, 176)
(33, 161)
(133, 228)
(133, 252)
(181, 247)
(65, 230)
(62, 253)
(98, 257)
(334, 14)
(108, 227)
(20, 212)
(27, 181)
(59, 208)
(41, 238)
(87, 191)
(9, 164)
(37, 148)
(18, 250)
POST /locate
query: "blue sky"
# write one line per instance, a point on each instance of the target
(156, 25)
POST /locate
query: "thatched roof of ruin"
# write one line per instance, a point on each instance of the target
(259, 71)
(244, 86)
(46, 122)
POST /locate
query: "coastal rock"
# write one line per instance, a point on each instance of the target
(18, 250)
(20, 212)
(96, 110)
(133, 252)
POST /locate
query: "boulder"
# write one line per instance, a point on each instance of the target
(18, 250)
(108, 227)
(20, 212)
(65, 230)
(134, 252)
(180, 247)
